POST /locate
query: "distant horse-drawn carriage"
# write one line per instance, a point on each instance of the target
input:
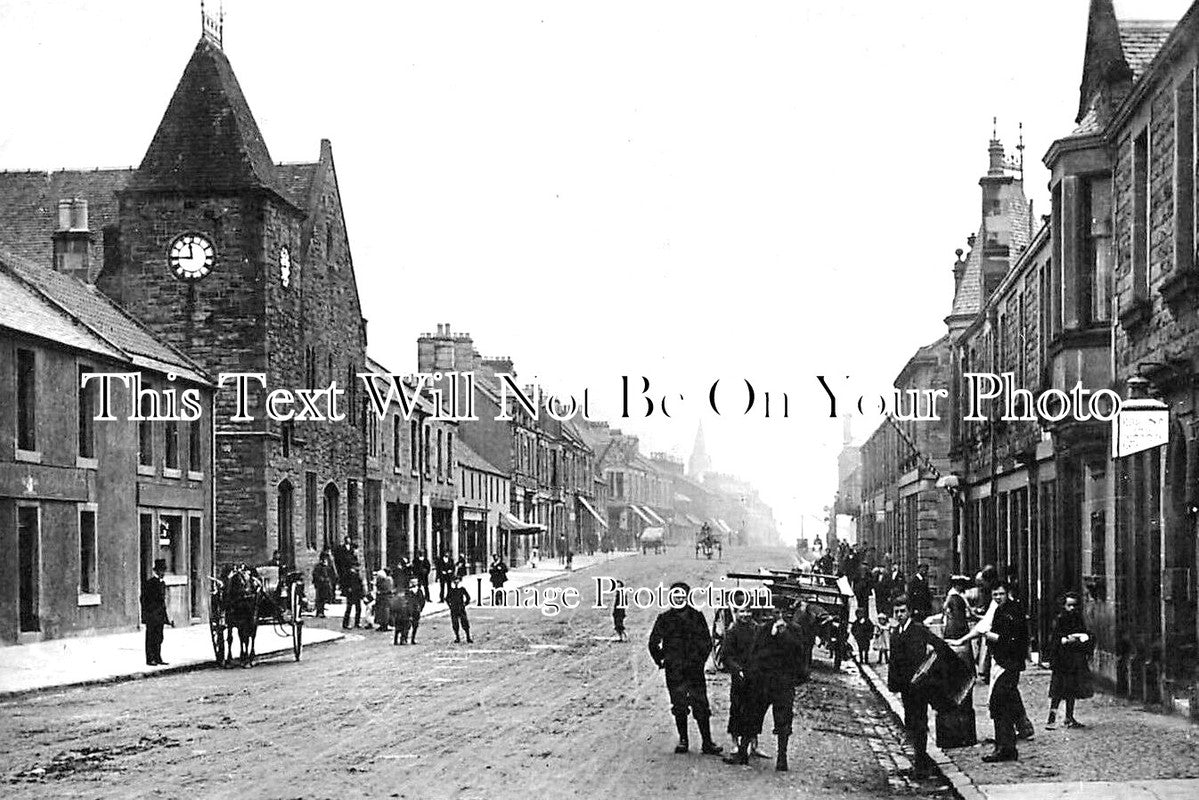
(708, 542)
(244, 598)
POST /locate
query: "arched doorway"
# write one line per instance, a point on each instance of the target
(285, 542)
(1179, 568)
(330, 516)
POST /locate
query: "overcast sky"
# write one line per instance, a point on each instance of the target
(681, 190)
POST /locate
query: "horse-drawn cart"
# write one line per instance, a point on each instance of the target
(708, 542)
(246, 598)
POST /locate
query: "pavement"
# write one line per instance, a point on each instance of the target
(109, 658)
(1125, 752)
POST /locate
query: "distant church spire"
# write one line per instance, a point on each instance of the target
(699, 462)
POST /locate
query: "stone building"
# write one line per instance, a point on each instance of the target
(243, 265)
(904, 515)
(1138, 97)
(87, 505)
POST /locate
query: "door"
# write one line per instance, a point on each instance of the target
(29, 560)
(146, 529)
(286, 544)
(195, 541)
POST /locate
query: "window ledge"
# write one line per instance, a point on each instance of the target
(142, 469)
(1135, 314)
(167, 472)
(86, 599)
(28, 456)
(86, 463)
(195, 476)
(1181, 288)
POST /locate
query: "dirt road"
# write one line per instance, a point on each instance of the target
(538, 707)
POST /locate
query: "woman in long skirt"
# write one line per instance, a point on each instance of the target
(1071, 649)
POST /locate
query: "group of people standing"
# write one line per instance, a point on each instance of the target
(340, 570)
(991, 614)
(766, 657)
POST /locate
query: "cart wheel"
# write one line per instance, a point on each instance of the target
(297, 623)
(216, 628)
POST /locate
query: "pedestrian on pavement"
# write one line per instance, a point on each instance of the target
(498, 573)
(679, 644)
(354, 592)
(402, 573)
(882, 638)
(420, 570)
(736, 651)
(910, 646)
(863, 583)
(461, 568)
(445, 573)
(154, 612)
(384, 589)
(618, 612)
(882, 591)
(920, 596)
(457, 599)
(324, 579)
(862, 630)
(342, 563)
(1069, 651)
(772, 676)
(1007, 638)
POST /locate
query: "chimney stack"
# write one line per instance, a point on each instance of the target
(72, 239)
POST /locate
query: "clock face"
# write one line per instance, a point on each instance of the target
(285, 266)
(191, 256)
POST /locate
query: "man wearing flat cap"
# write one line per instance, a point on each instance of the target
(679, 644)
(154, 612)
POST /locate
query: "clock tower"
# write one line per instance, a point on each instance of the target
(243, 264)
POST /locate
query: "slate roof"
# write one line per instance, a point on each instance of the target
(207, 141)
(96, 323)
(967, 300)
(29, 206)
(472, 460)
(1141, 40)
(296, 181)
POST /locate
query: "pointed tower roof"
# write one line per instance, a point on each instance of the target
(207, 140)
(699, 463)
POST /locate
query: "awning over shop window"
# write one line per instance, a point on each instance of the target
(513, 524)
(694, 520)
(651, 535)
(724, 526)
(593, 512)
(639, 512)
(657, 517)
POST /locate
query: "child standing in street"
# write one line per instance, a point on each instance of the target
(618, 613)
(862, 630)
(882, 639)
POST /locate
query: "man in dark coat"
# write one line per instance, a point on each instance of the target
(680, 643)
(882, 592)
(458, 599)
(1008, 639)
(736, 650)
(920, 596)
(154, 612)
(774, 672)
(498, 573)
(445, 573)
(420, 570)
(910, 645)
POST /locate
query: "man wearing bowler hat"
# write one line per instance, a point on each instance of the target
(154, 612)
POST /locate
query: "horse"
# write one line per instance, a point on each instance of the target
(405, 607)
(242, 595)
